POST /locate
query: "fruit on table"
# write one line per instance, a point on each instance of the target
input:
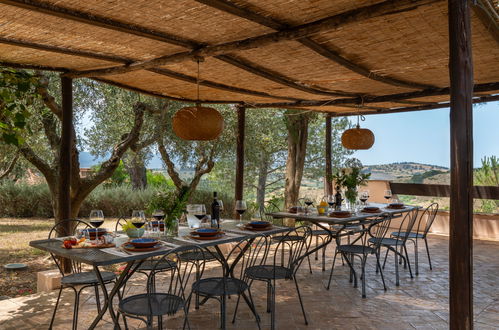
(68, 244)
(73, 241)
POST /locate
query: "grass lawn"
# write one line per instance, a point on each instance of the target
(15, 235)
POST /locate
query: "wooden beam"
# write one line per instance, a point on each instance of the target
(86, 18)
(32, 67)
(461, 197)
(212, 84)
(100, 21)
(231, 8)
(241, 123)
(487, 87)
(64, 197)
(63, 50)
(329, 167)
(278, 78)
(480, 99)
(486, 13)
(441, 190)
(124, 60)
(161, 95)
(298, 32)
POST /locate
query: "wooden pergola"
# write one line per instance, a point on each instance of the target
(339, 57)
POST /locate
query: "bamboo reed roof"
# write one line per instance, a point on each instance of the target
(338, 56)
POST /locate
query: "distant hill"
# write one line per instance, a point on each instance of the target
(87, 161)
(405, 171)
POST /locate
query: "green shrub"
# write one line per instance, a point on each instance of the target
(23, 200)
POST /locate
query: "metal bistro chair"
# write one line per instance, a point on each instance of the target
(282, 265)
(169, 298)
(246, 253)
(398, 245)
(150, 264)
(429, 214)
(77, 277)
(376, 229)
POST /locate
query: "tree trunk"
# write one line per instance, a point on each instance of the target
(297, 125)
(262, 182)
(136, 169)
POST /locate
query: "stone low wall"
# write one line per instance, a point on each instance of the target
(485, 226)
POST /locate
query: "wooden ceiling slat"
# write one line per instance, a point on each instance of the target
(488, 17)
(322, 50)
(298, 32)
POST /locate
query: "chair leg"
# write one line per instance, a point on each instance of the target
(222, 312)
(380, 270)
(75, 309)
(249, 302)
(428, 252)
(55, 308)
(416, 261)
(352, 270)
(324, 259)
(316, 244)
(309, 264)
(272, 306)
(97, 298)
(386, 255)
(363, 265)
(301, 301)
(235, 310)
(332, 269)
(408, 262)
(269, 297)
(186, 312)
(196, 301)
(397, 281)
(160, 321)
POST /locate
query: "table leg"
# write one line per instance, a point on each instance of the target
(108, 297)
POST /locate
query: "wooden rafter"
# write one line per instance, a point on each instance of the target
(118, 59)
(100, 21)
(487, 87)
(229, 7)
(488, 16)
(103, 22)
(32, 66)
(298, 32)
(481, 99)
(278, 78)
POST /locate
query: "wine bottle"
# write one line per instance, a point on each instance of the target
(337, 199)
(215, 212)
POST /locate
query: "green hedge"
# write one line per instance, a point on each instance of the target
(22, 200)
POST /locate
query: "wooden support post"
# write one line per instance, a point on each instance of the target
(329, 168)
(461, 197)
(241, 121)
(64, 202)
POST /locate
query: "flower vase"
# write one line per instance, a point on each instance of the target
(351, 197)
(171, 227)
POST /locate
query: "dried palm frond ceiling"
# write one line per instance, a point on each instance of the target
(338, 56)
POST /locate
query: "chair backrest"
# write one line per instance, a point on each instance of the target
(377, 228)
(177, 279)
(249, 252)
(270, 207)
(292, 248)
(66, 228)
(429, 214)
(119, 223)
(406, 226)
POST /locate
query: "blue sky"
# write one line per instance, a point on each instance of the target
(423, 136)
(420, 136)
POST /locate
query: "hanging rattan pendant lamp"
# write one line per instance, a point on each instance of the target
(198, 123)
(357, 138)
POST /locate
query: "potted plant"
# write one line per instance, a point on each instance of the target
(172, 203)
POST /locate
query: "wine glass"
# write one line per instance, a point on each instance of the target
(240, 208)
(308, 201)
(200, 211)
(388, 195)
(96, 218)
(330, 202)
(364, 196)
(138, 218)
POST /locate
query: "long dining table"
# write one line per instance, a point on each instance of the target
(98, 258)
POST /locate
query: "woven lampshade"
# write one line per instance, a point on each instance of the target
(357, 138)
(198, 123)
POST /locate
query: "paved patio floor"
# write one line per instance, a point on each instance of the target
(419, 303)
